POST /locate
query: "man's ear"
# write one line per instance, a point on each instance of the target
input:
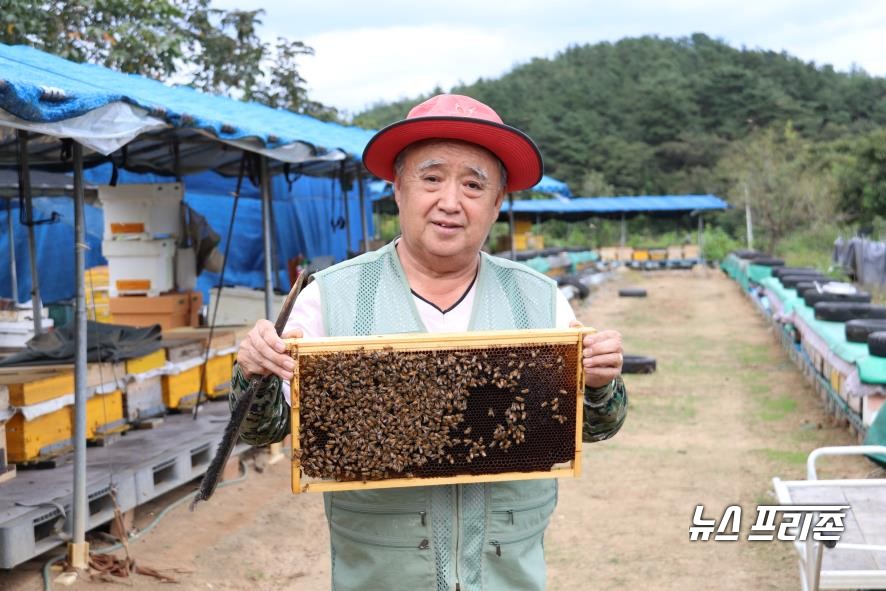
(499, 199)
(396, 188)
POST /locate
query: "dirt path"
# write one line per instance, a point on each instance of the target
(725, 412)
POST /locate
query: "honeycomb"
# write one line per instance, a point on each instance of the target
(374, 415)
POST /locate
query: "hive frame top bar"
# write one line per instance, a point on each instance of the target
(479, 338)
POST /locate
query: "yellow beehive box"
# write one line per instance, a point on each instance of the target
(640, 254)
(104, 414)
(217, 376)
(154, 360)
(658, 254)
(608, 253)
(520, 242)
(180, 390)
(535, 242)
(41, 436)
(675, 253)
(30, 386)
(522, 226)
(690, 251)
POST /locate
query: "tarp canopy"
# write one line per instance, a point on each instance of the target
(106, 110)
(47, 184)
(549, 184)
(588, 207)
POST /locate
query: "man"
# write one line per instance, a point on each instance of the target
(451, 161)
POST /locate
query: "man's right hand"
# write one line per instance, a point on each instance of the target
(263, 353)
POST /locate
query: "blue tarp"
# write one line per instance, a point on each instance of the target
(608, 206)
(25, 74)
(549, 184)
(309, 220)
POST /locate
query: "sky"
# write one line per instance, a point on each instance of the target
(368, 51)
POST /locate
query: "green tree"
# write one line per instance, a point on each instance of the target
(217, 50)
(786, 187)
(862, 177)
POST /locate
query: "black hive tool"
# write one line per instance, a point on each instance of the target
(238, 415)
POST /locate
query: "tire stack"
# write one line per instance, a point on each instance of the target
(868, 330)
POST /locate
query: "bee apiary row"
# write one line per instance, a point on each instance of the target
(409, 410)
(40, 414)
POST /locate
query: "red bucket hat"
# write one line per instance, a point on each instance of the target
(457, 117)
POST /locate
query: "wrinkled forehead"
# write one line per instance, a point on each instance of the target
(442, 152)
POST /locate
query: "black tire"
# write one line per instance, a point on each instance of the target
(843, 311)
(857, 331)
(632, 292)
(877, 344)
(638, 364)
(791, 281)
(768, 262)
(580, 287)
(806, 285)
(747, 254)
(794, 271)
(812, 297)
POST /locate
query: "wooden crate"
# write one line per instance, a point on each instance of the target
(217, 376)
(143, 399)
(222, 338)
(146, 363)
(104, 414)
(178, 350)
(180, 390)
(41, 436)
(542, 345)
(32, 385)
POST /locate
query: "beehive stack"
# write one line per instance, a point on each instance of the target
(381, 412)
(97, 295)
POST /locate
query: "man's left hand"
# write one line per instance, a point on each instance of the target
(602, 356)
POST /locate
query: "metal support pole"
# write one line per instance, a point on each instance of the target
(10, 229)
(347, 218)
(700, 236)
(511, 229)
(749, 224)
(24, 191)
(624, 231)
(363, 221)
(265, 181)
(78, 549)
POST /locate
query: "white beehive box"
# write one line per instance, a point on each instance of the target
(151, 210)
(140, 266)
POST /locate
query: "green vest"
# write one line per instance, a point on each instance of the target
(484, 537)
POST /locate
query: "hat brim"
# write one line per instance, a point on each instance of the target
(518, 153)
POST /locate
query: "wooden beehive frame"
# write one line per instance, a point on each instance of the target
(436, 342)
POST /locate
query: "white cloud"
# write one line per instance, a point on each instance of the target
(354, 68)
(371, 51)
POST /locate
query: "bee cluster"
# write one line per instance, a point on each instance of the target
(371, 415)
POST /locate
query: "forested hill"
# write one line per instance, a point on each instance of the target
(654, 116)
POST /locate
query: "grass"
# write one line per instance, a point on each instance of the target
(784, 456)
(776, 409)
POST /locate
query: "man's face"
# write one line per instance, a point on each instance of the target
(448, 194)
